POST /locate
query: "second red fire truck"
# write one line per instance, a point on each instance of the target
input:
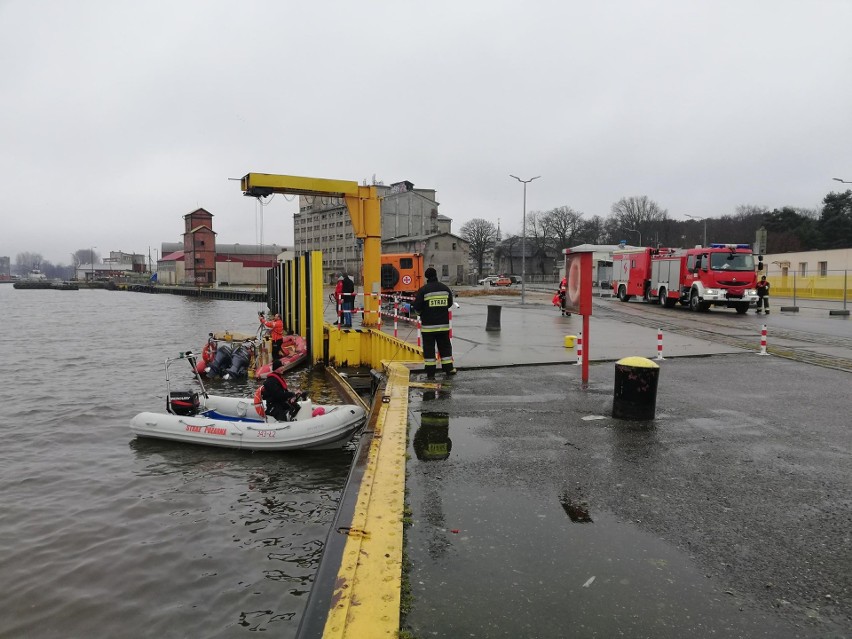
(718, 275)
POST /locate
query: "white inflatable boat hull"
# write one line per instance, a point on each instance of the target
(233, 422)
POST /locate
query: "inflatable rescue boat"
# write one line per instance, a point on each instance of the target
(241, 422)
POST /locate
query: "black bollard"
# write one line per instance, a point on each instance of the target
(493, 321)
(635, 393)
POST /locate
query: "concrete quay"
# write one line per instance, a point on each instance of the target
(531, 512)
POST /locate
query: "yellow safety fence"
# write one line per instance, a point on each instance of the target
(813, 287)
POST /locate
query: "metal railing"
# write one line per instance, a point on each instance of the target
(834, 286)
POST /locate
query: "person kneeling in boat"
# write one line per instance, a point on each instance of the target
(281, 402)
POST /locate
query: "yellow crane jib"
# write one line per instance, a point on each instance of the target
(364, 209)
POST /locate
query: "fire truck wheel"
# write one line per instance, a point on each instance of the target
(742, 308)
(694, 302)
(622, 294)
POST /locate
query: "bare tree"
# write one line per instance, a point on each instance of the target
(481, 235)
(639, 213)
(26, 261)
(538, 242)
(747, 211)
(563, 225)
(85, 256)
(592, 231)
(506, 253)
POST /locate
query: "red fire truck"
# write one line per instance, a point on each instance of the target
(718, 275)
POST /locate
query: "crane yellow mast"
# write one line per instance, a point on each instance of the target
(364, 208)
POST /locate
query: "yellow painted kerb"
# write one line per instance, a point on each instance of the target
(365, 602)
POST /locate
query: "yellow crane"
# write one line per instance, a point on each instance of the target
(364, 209)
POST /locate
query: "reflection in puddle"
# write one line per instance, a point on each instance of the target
(432, 440)
(437, 432)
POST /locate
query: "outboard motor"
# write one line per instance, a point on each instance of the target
(239, 361)
(183, 403)
(221, 362)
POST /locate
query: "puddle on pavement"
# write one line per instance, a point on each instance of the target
(491, 559)
(436, 436)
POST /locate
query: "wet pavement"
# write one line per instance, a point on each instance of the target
(534, 513)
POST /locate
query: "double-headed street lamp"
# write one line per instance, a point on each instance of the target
(844, 181)
(524, 238)
(695, 217)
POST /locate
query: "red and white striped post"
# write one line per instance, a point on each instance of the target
(580, 349)
(396, 322)
(660, 344)
(419, 332)
(450, 316)
(763, 341)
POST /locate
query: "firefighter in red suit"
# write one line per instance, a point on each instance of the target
(276, 327)
(559, 297)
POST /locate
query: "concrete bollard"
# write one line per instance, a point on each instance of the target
(635, 393)
(493, 321)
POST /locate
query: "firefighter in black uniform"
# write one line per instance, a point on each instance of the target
(763, 295)
(432, 303)
(280, 400)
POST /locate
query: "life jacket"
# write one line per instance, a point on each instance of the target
(280, 379)
(258, 394)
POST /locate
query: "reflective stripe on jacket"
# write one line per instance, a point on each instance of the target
(432, 302)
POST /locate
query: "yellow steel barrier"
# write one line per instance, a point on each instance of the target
(367, 590)
(368, 347)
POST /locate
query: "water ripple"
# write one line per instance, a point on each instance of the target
(102, 532)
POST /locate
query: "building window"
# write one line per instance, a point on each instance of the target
(803, 268)
(445, 270)
(454, 246)
(436, 246)
(823, 268)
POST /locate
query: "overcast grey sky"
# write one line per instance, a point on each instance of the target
(118, 117)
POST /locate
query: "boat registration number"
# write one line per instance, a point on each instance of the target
(266, 433)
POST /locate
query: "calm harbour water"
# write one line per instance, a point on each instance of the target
(104, 535)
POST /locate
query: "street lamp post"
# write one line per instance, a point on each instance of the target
(524, 238)
(637, 232)
(695, 217)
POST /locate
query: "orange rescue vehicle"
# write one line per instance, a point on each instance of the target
(401, 273)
